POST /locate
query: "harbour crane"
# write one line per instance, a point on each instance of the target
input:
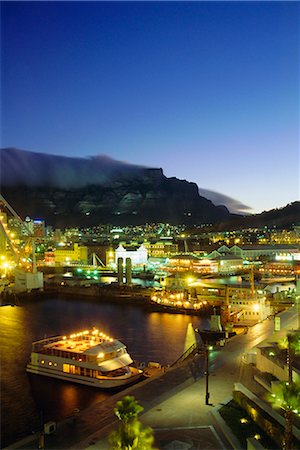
(26, 275)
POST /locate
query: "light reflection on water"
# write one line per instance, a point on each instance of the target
(148, 337)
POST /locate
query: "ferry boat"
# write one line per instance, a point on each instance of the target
(89, 357)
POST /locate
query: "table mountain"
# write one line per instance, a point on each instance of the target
(87, 191)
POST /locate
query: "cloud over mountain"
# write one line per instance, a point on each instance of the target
(37, 169)
(99, 189)
(233, 205)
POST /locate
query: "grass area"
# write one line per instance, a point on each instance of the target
(232, 414)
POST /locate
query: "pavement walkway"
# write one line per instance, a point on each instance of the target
(180, 417)
(179, 389)
(174, 404)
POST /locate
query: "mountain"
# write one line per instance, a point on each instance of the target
(87, 191)
(282, 218)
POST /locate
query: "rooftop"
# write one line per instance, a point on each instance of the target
(86, 342)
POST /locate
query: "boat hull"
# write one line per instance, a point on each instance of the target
(102, 383)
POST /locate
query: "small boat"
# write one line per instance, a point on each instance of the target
(89, 357)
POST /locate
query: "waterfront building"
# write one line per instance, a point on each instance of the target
(69, 256)
(28, 281)
(249, 310)
(280, 268)
(161, 249)
(191, 263)
(229, 264)
(138, 256)
(254, 252)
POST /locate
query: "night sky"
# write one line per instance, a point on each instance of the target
(209, 91)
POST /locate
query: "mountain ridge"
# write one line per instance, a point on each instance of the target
(66, 191)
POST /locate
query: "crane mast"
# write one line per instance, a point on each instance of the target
(26, 275)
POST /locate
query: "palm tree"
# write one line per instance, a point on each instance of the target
(286, 395)
(292, 344)
(131, 433)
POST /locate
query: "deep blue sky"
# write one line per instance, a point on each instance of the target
(207, 91)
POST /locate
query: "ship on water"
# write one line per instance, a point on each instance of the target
(89, 357)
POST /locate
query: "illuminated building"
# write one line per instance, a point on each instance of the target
(29, 225)
(161, 249)
(39, 228)
(28, 281)
(288, 256)
(249, 311)
(191, 263)
(110, 257)
(228, 264)
(281, 268)
(252, 252)
(183, 263)
(137, 256)
(49, 258)
(68, 256)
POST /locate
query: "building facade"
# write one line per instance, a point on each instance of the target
(138, 256)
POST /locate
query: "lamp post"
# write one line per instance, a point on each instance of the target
(41, 441)
(207, 349)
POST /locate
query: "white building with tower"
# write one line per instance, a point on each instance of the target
(138, 256)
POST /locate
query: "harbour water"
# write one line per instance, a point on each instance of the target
(28, 400)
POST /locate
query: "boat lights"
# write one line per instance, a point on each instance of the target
(92, 335)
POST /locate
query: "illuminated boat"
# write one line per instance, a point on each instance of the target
(89, 357)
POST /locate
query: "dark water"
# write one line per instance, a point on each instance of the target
(26, 398)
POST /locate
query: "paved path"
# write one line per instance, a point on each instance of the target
(174, 402)
(184, 407)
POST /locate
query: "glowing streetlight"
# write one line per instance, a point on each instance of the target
(208, 348)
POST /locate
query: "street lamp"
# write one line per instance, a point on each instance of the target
(207, 350)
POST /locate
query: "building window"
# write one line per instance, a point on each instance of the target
(66, 368)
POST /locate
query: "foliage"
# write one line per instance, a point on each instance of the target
(127, 409)
(131, 433)
(286, 396)
(292, 339)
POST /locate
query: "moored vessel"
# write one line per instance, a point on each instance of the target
(89, 357)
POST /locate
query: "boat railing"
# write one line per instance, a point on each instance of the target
(38, 345)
